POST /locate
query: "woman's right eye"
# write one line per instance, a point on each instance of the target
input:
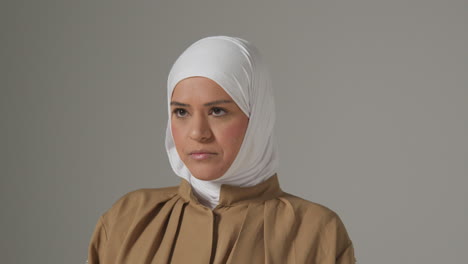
(179, 112)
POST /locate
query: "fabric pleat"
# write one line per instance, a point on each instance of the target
(139, 239)
(280, 220)
(249, 245)
(169, 238)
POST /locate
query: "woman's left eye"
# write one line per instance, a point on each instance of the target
(218, 111)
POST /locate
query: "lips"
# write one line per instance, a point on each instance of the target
(202, 154)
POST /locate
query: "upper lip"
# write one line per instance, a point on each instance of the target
(202, 151)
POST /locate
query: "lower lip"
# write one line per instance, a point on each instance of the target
(201, 156)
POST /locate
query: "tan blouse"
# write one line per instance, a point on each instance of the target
(259, 224)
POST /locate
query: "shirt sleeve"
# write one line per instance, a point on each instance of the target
(97, 243)
(347, 256)
(339, 244)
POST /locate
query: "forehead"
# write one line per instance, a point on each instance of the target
(199, 88)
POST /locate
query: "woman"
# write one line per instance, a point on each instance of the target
(229, 207)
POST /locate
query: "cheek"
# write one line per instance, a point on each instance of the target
(233, 134)
(176, 135)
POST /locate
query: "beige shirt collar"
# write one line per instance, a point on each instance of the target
(234, 195)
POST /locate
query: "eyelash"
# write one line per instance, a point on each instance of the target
(218, 108)
(177, 111)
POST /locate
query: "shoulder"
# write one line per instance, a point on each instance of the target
(138, 202)
(318, 223)
(148, 195)
(117, 221)
(308, 208)
(316, 216)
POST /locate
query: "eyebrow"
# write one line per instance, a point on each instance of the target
(207, 104)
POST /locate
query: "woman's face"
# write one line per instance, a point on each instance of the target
(207, 126)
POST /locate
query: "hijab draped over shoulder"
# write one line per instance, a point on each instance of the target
(237, 67)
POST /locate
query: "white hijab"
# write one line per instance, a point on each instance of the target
(236, 66)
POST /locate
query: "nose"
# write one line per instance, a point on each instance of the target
(200, 129)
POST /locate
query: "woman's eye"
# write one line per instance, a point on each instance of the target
(218, 111)
(180, 112)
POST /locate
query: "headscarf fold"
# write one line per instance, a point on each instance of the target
(236, 66)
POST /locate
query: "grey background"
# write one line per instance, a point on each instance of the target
(372, 102)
